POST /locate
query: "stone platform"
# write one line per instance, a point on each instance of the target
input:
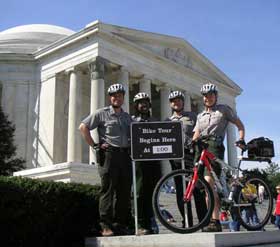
(67, 172)
(267, 239)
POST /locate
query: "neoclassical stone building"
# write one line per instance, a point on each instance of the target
(52, 77)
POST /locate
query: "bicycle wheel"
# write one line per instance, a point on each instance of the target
(173, 212)
(254, 208)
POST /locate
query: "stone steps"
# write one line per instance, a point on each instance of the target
(226, 239)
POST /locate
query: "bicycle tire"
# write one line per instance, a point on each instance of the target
(160, 196)
(256, 214)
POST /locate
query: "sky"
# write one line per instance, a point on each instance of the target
(242, 38)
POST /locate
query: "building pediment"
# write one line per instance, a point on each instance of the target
(173, 49)
(163, 49)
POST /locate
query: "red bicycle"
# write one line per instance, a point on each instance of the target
(237, 194)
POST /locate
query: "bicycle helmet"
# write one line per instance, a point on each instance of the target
(116, 88)
(176, 94)
(141, 96)
(209, 88)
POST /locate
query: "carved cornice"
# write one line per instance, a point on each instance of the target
(16, 57)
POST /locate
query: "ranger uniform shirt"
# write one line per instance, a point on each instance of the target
(188, 120)
(113, 128)
(215, 121)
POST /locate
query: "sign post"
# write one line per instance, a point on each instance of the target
(154, 141)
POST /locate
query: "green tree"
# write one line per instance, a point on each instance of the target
(273, 171)
(8, 162)
(256, 173)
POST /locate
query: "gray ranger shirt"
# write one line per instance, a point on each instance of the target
(215, 122)
(188, 120)
(113, 128)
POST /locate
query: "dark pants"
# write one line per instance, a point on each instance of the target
(234, 224)
(199, 198)
(277, 221)
(116, 179)
(147, 175)
(218, 149)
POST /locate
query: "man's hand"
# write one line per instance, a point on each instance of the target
(101, 146)
(104, 145)
(241, 144)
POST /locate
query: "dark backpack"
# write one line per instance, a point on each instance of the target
(260, 147)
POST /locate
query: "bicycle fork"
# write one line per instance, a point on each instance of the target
(191, 185)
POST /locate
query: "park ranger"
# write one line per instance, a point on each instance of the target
(147, 172)
(113, 126)
(212, 122)
(188, 119)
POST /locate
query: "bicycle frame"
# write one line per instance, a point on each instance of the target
(204, 160)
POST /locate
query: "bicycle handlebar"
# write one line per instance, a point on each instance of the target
(201, 142)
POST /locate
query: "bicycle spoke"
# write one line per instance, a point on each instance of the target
(254, 204)
(173, 212)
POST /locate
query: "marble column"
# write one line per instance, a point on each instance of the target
(124, 80)
(187, 105)
(231, 132)
(145, 86)
(97, 99)
(231, 148)
(74, 145)
(165, 110)
(8, 100)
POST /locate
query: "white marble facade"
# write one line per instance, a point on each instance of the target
(52, 77)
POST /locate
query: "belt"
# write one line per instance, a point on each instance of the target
(215, 138)
(117, 149)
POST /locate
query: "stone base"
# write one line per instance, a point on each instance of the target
(269, 238)
(65, 172)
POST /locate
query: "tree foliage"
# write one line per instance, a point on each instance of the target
(8, 161)
(271, 175)
(257, 173)
(273, 171)
(46, 213)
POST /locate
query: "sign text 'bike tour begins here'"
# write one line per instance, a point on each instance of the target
(156, 140)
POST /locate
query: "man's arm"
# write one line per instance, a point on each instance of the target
(241, 129)
(196, 134)
(86, 134)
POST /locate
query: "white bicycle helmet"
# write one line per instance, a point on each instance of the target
(208, 88)
(116, 88)
(176, 94)
(141, 96)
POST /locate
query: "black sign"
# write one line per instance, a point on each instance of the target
(156, 140)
